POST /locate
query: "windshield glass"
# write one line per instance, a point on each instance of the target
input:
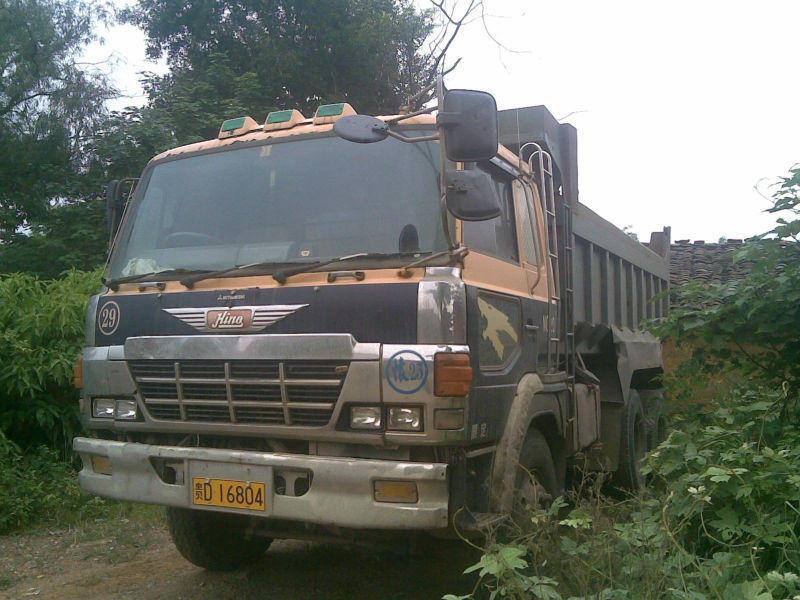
(303, 200)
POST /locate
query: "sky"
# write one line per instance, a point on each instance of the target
(687, 111)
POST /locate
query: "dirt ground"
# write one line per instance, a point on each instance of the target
(133, 559)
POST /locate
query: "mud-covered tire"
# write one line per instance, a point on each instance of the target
(214, 541)
(536, 483)
(632, 445)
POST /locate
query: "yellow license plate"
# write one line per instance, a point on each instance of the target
(228, 493)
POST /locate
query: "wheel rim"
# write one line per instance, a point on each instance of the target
(533, 494)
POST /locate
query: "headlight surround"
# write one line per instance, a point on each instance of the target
(404, 418)
(365, 417)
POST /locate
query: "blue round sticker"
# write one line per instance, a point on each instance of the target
(406, 371)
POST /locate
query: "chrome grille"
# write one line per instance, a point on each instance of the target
(299, 393)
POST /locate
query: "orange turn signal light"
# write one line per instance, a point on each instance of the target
(77, 373)
(452, 374)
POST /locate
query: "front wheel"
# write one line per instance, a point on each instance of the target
(536, 483)
(214, 541)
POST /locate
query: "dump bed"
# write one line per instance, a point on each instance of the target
(615, 276)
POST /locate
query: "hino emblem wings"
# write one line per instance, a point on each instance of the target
(240, 319)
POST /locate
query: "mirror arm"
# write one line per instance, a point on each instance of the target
(416, 113)
(413, 140)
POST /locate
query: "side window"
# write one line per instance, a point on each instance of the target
(496, 237)
(528, 226)
(500, 329)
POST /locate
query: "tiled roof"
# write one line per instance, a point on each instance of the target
(706, 262)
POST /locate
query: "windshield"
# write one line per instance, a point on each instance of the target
(305, 200)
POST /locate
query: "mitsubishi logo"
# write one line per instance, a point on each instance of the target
(239, 319)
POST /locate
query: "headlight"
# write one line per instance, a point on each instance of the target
(126, 410)
(103, 408)
(405, 418)
(365, 417)
(109, 408)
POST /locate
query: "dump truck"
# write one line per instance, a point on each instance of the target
(349, 326)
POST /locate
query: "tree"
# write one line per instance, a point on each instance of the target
(49, 103)
(285, 53)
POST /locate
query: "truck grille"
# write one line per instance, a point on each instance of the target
(264, 392)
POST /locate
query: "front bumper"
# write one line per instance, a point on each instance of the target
(340, 491)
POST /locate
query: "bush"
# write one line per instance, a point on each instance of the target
(750, 324)
(41, 334)
(720, 520)
(39, 487)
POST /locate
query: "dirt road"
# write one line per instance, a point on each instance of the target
(134, 560)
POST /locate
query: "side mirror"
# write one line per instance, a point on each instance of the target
(471, 196)
(361, 129)
(469, 122)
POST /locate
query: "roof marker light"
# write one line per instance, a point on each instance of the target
(283, 119)
(239, 126)
(328, 113)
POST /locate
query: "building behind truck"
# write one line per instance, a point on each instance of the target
(346, 325)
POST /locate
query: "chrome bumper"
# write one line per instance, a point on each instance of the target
(340, 494)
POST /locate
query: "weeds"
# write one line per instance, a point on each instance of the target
(38, 488)
(720, 520)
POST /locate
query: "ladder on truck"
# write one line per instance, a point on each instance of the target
(560, 316)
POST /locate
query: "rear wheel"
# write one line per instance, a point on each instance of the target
(536, 483)
(214, 541)
(632, 445)
(653, 403)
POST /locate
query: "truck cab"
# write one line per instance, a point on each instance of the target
(301, 335)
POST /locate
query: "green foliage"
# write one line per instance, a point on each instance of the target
(720, 520)
(291, 54)
(48, 104)
(41, 334)
(70, 236)
(750, 324)
(38, 487)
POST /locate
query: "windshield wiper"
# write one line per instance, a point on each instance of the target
(459, 252)
(282, 275)
(116, 281)
(191, 280)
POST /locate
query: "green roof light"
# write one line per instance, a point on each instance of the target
(279, 116)
(330, 110)
(233, 124)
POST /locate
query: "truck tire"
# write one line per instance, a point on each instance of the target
(536, 484)
(632, 445)
(214, 541)
(657, 433)
(653, 403)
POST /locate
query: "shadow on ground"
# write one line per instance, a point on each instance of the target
(300, 570)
